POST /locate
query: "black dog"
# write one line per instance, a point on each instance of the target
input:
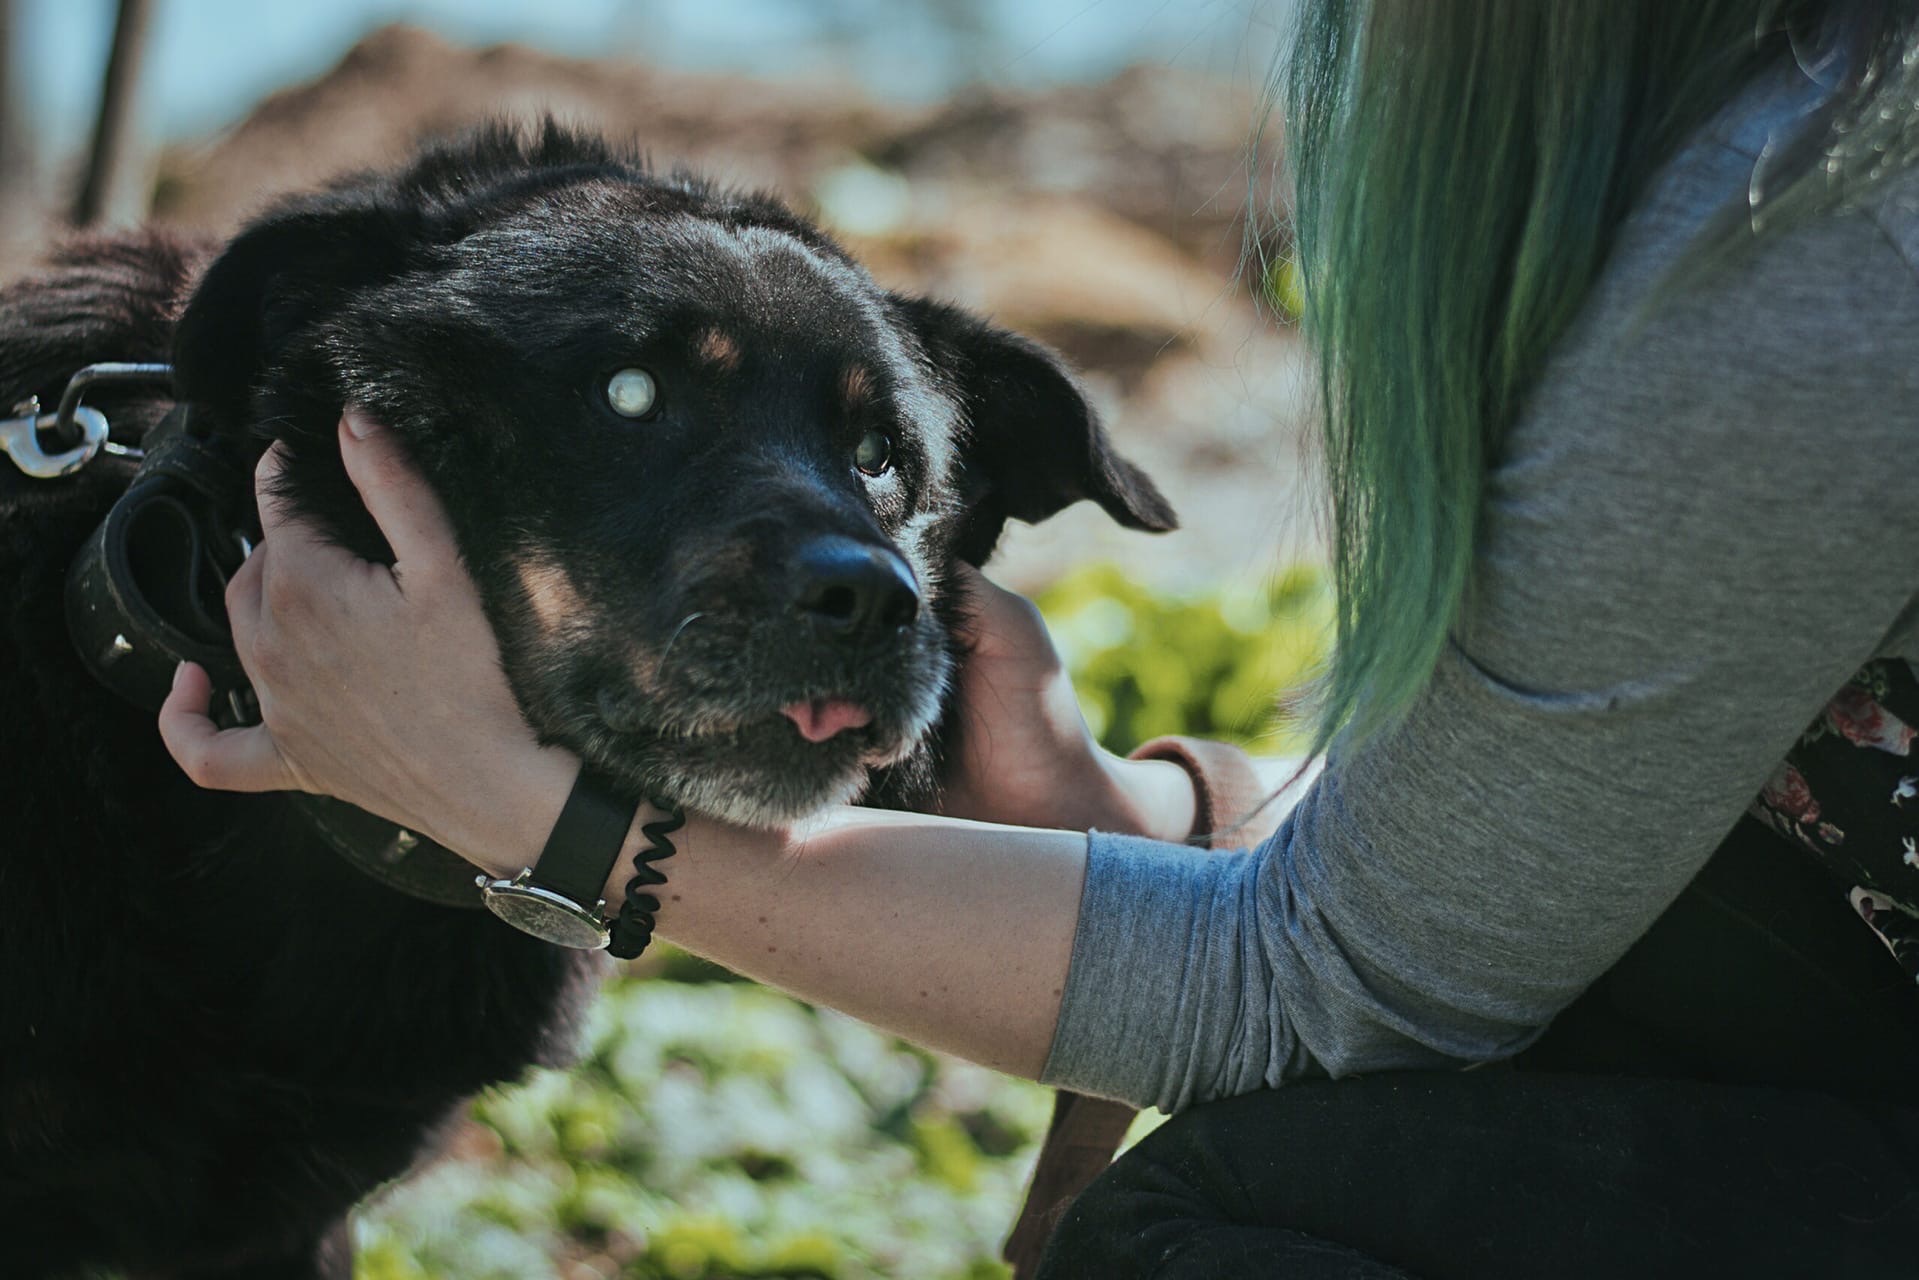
(709, 478)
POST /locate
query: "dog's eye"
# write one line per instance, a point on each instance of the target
(874, 452)
(632, 393)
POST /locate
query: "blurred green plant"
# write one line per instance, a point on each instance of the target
(1214, 665)
(715, 1130)
(720, 1130)
(1286, 287)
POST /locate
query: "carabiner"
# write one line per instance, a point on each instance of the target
(20, 434)
(20, 439)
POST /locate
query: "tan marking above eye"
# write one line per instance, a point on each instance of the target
(719, 349)
(856, 386)
(555, 601)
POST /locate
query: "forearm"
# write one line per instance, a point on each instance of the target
(954, 934)
(951, 933)
(957, 935)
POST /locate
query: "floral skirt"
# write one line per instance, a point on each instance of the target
(1848, 793)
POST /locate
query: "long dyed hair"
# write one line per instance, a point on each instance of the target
(1461, 168)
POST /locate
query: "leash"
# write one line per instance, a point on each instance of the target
(147, 591)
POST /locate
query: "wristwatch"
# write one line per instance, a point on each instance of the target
(557, 899)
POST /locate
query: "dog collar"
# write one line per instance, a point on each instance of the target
(146, 592)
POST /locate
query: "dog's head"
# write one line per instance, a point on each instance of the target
(708, 475)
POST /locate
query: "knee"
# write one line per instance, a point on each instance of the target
(1139, 1216)
(1100, 1233)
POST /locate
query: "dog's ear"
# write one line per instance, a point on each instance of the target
(1032, 445)
(273, 280)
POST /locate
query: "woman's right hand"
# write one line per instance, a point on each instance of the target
(380, 685)
(1022, 754)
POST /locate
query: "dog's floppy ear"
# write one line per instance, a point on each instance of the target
(273, 280)
(1033, 445)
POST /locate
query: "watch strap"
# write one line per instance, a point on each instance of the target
(586, 839)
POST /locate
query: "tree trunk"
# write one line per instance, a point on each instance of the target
(108, 160)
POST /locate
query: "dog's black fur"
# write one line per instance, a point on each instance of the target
(216, 1036)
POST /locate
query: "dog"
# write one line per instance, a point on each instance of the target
(711, 480)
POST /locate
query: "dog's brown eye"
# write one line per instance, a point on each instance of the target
(874, 452)
(632, 393)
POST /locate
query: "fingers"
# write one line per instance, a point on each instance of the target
(224, 759)
(975, 593)
(405, 509)
(277, 519)
(996, 617)
(981, 589)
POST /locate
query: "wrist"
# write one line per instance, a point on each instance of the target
(1151, 797)
(505, 834)
(698, 890)
(575, 894)
(627, 864)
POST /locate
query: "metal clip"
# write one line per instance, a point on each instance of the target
(20, 434)
(20, 439)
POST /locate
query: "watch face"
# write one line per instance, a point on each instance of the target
(546, 915)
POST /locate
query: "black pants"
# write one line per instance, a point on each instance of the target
(1739, 1096)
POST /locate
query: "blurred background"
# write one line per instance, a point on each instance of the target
(1101, 174)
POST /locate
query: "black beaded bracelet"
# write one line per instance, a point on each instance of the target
(632, 929)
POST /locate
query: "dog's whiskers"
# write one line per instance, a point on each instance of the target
(673, 639)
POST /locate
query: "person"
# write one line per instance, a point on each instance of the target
(1617, 311)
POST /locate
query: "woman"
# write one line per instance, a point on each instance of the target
(1616, 308)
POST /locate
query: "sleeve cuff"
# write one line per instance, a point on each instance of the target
(1115, 1036)
(1226, 788)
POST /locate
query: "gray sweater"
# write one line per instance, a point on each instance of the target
(1702, 525)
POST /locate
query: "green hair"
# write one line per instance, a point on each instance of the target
(1461, 168)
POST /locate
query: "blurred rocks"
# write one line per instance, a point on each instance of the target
(1170, 151)
(401, 84)
(1108, 220)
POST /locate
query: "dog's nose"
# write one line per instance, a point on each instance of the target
(853, 589)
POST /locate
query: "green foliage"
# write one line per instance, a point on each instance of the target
(1285, 290)
(715, 1130)
(1215, 666)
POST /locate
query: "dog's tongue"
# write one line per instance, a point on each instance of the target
(821, 718)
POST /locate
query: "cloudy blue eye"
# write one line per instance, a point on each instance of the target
(632, 393)
(875, 451)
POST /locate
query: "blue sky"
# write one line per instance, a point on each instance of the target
(210, 59)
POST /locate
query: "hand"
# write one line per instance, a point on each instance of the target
(1025, 756)
(379, 685)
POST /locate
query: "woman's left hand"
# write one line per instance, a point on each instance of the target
(1023, 755)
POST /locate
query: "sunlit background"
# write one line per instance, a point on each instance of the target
(211, 60)
(1092, 172)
